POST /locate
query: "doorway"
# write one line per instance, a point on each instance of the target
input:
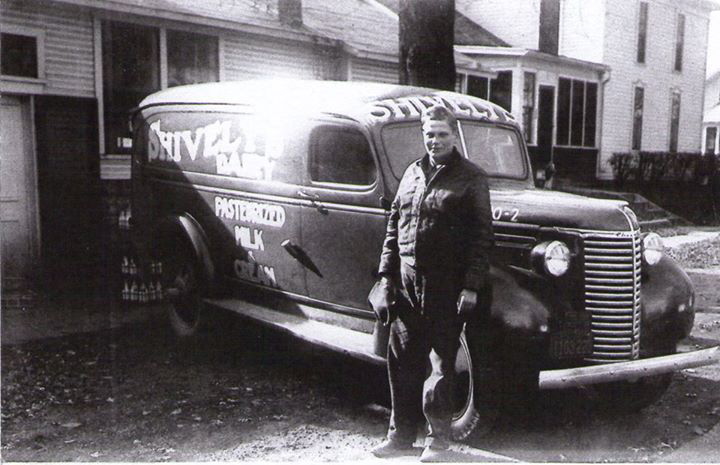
(18, 198)
(69, 191)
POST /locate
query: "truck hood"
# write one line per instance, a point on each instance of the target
(560, 209)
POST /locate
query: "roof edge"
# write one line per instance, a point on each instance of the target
(524, 52)
(305, 35)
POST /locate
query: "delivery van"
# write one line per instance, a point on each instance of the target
(270, 199)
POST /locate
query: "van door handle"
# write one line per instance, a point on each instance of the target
(299, 254)
(314, 200)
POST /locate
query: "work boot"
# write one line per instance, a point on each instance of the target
(435, 454)
(389, 448)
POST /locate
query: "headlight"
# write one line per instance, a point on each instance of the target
(553, 257)
(652, 248)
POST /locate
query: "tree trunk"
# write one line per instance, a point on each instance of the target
(427, 35)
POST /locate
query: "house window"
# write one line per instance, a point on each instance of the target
(576, 113)
(192, 58)
(590, 114)
(478, 86)
(131, 71)
(674, 121)
(501, 89)
(679, 42)
(638, 118)
(528, 105)
(710, 136)
(563, 112)
(19, 55)
(642, 32)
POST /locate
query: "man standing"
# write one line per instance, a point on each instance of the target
(434, 263)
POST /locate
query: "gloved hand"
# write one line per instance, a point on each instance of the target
(382, 300)
(467, 302)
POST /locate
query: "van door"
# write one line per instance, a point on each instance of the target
(342, 222)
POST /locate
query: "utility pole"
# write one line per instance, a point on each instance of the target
(427, 36)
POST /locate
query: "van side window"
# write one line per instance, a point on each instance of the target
(341, 156)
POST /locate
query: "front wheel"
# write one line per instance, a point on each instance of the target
(183, 286)
(474, 409)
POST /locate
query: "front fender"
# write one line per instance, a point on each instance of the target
(514, 307)
(667, 303)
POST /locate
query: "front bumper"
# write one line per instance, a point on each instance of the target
(632, 370)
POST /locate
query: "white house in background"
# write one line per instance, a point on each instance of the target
(651, 96)
(72, 69)
(711, 115)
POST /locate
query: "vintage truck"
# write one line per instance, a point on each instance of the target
(270, 199)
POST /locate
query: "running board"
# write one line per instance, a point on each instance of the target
(353, 343)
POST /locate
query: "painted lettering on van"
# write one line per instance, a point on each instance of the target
(167, 145)
(237, 156)
(251, 270)
(411, 107)
(249, 239)
(249, 212)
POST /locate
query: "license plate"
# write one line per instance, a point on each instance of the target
(573, 339)
(570, 345)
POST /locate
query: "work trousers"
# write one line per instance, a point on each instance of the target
(427, 329)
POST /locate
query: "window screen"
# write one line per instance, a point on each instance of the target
(478, 86)
(710, 136)
(528, 105)
(679, 42)
(192, 58)
(674, 121)
(563, 112)
(19, 55)
(642, 32)
(578, 113)
(341, 156)
(501, 89)
(638, 118)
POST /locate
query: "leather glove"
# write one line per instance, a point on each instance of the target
(467, 302)
(382, 301)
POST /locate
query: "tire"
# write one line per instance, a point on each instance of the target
(181, 272)
(475, 410)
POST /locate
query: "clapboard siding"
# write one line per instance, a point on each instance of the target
(247, 57)
(374, 71)
(69, 68)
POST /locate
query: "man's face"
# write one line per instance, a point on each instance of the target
(439, 139)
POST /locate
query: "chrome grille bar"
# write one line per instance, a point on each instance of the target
(612, 294)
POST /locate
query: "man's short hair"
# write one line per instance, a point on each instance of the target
(440, 113)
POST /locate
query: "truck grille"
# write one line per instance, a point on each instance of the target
(612, 294)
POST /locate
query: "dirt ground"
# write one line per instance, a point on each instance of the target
(135, 394)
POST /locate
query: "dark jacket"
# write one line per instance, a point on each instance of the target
(444, 225)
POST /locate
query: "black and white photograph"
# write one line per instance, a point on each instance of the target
(360, 231)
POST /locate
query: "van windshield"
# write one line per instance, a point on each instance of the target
(496, 149)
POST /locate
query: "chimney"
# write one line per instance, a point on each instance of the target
(290, 12)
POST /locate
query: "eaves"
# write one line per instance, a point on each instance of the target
(301, 34)
(475, 50)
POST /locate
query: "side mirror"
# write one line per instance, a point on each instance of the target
(385, 204)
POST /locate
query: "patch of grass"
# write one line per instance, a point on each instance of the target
(702, 254)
